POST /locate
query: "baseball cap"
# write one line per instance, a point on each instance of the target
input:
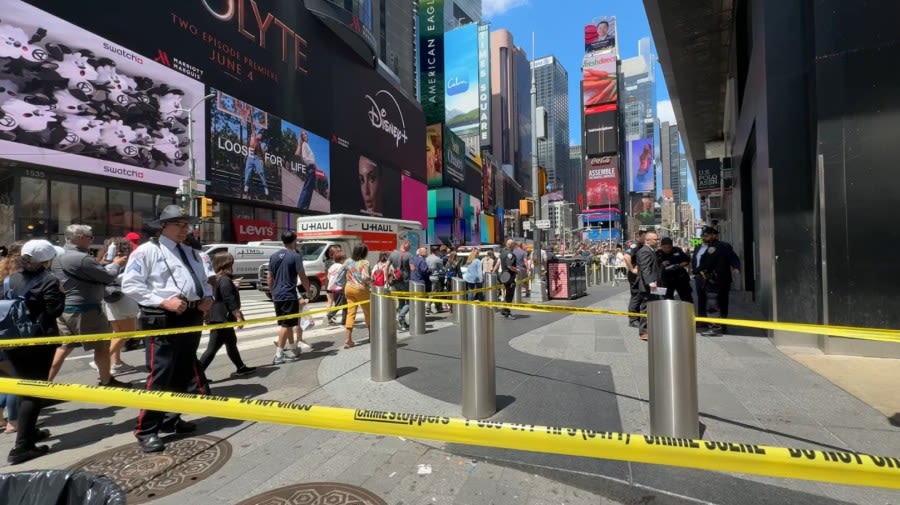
(132, 236)
(39, 250)
(710, 229)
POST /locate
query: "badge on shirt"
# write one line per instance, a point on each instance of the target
(711, 250)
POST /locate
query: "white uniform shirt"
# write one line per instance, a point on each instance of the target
(155, 273)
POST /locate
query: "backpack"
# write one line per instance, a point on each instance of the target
(15, 320)
(378, 277)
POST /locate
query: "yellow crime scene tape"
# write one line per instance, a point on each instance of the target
(835, 467)
(442, 294)
(19, 342)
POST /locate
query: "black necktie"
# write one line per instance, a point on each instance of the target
(184, 259)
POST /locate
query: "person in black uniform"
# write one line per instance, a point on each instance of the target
(675, 277)
(167, 278)
(649, 274)
(714, 262)
(508, 274)
(634, 303)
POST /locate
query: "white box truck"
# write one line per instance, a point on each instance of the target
(318, 233)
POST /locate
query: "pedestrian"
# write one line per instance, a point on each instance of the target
(329, 260)
(509, 271)
(382, 271)
(168, 281)
(121, 312)
(337, 279)
(31, 279)
(490, 264)
(675, 277)
(474, 275)
(649, 273)
(629, 257)
(437, 275)
(356, 290)
(226, 308)
(285, 268)
(84, 281)
(400, 261)
(714, 264)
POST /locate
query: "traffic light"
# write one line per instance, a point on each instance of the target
(206, 207)
(525, 207)
(542, 180)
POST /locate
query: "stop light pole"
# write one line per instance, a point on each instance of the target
(538, 293)
(186, 188)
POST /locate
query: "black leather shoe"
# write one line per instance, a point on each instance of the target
(151, 444)
(20, 456)
(179, 427)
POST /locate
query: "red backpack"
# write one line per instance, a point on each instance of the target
(379, 277)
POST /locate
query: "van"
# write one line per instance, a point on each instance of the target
(247, 259)
(318, 233)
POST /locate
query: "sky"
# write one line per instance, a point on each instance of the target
(558, 26)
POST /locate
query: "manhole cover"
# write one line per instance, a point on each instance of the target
(316, 493)
(146, 477)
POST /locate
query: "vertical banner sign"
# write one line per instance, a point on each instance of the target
(454, 161)
(484, 84)
(431, 59)
(461, 78)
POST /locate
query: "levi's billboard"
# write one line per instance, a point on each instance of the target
(248, 230)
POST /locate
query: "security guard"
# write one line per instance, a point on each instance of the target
(634, 303)
(167, 278)
(675, 277)
(714, 263)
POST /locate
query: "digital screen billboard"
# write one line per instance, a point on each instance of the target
(461, 79)
(441, 203)
(600, 35)
(642, 208)
(601, 133)
(600, 82)
(434, 155)
(454, 161)
(484, 84)
(367, 187)
(77, 101)
(431, 59)
(414, 195)
(641, 174)
(601, 181)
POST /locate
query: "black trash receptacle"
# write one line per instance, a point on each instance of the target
(59, 487)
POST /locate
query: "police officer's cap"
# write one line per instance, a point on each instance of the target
(710, 230)
(666, 241)
(175, 213)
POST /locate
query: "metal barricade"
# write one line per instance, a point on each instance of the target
(417, 309)
(383, 336)
(673, 369)
(457, 285)
(479, 376)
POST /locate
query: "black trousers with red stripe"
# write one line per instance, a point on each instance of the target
(173, 366)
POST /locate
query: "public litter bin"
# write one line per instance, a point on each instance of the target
(59, 487)
(567, 279)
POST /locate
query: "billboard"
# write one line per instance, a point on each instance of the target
(434, 155)
(77, 101)
(709, 174)
(372, 190)
(258, 156)
(601, 133)
(600, 35)
(461, 80)
(600, 82)
(431, 59)
(601, 181)
(413, 194)
(454, 160)
(474, 179)
(642, 208)
(484, 84)
(641, 177)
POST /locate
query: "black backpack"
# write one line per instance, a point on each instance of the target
(15, 320)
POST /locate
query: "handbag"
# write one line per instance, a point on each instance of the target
(505, 277)
(112, 293)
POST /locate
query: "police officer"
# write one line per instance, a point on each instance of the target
(714, 262)
(509, 271)
(634, 303)
(167, 278)
(675, 277)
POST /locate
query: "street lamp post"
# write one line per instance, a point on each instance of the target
(186, 188)
(538, 294)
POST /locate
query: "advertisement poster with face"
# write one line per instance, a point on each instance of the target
(601, 181)
(461, 73)
(641, 173)
(434, 155)
(600, 85)
(256, 155)
(74, 100)
(365, 187)
(600, 35)
(642, 208)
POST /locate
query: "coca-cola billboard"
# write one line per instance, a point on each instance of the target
(601, 176)
(249, 230)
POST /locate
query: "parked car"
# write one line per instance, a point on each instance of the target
(247, 259)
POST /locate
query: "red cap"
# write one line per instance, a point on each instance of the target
(132, 236)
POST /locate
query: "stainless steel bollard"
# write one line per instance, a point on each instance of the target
(458, 285)
(383, 336)
(417, 310)
(673, 369)
(518, 288)
(491, 281)
(479, 378)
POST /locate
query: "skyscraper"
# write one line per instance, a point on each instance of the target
(670, 161)
(395, 30)
(461, 12)
(572, 180)
(638, 100)
(511, 107)
(553, 95)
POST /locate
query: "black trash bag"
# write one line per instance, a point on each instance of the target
(59, 487)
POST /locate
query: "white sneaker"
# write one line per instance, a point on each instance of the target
(291, 354)
(93, 365)
(304, 346)
(121, 368)
(278, 359)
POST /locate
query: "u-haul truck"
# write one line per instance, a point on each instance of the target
(318, 233)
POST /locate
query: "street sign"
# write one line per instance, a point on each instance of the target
(526, 225)
(203, 181)
(543, 224)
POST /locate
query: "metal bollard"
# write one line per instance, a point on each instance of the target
(417, 310)
(479, 378)
(491, 281)
(517, 289)
(457, 285)
(673, 369)
(383, 336)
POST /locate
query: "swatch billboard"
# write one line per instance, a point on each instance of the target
(431, 59)
(600, 35)
(461, 80)
(74, 100)
(601, 181)
(640, 162)
(600, 82)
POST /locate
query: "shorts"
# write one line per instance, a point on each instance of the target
(285, 308)
(84, 323)
(125, 308)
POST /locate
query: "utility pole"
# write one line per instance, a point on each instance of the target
(187, 186)
(538, 293)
